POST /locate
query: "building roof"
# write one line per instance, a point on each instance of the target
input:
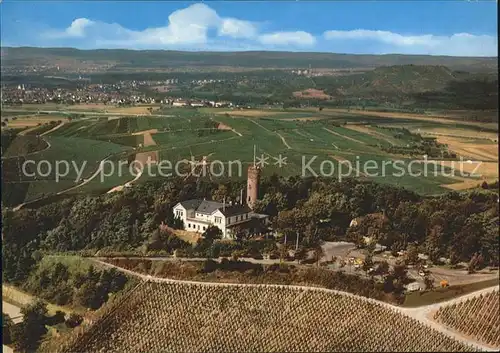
(235, 210)
(209, 207)
(191, 204)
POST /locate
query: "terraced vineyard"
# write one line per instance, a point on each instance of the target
(188, 317)
(478, 317)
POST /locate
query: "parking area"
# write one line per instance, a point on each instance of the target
(350, 259)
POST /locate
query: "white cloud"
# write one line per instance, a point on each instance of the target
(199, 27)
(298, 38)
(235, 28)
(188, 26)
(77, 27)
(459, 44)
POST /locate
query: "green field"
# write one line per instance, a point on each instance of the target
(323, 139)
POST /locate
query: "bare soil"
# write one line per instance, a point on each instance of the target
(250, 113)
(311, 93)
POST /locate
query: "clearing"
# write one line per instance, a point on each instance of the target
(311, 93)
(145, 158)
(225, 127)
(190, 237)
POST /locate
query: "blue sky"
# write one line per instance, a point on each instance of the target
(462, 28)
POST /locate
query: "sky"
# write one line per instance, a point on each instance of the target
(457, 28)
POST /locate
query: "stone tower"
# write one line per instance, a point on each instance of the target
(253, 176)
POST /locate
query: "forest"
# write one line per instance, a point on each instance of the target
(455, 225)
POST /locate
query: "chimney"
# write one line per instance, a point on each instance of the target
(224, 204)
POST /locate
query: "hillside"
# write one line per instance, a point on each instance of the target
(119, 60)
(422, 86)
(401, 78)
(185, 317)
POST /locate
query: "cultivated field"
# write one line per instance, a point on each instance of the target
(477, 150)
(250, 112)
(334, 137)
(189, 317)
(478, 318)
(33, 121)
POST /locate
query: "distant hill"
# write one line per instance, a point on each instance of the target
(401, 79)
(426, 86)
(118, 60)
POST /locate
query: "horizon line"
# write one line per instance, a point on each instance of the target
(246, 51)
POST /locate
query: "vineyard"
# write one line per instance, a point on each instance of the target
(188, 317)
(477, 317)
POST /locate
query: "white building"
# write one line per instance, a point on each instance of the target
(413, 287)
(179, 104)
(198, 215)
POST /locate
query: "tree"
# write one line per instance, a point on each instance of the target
(367, 263)
(212, 233)
(7, 325)
(399, 275)
(73, 320)
(382, 268)
(474, 263)
(28, 334)
(239, 233)
(300, 254)
(283, 252)
(429, 282)
(412, 254)
(434, 242)
(318, 253)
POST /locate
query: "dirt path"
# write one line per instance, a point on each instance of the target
(13, 311)
(272, 132)
(88, 180)
(53, 129)
(424, 314)
(127, 184)
(421, 313)
(143, 132)
(225, 127)
(32, 153)
(24, 132)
